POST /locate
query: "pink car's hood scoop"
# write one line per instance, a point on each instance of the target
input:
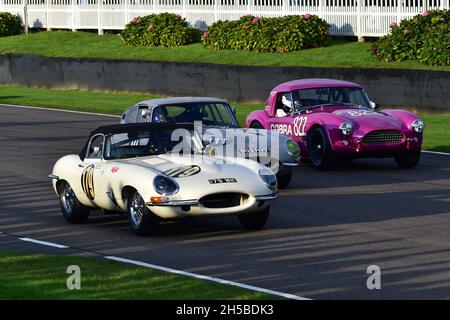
(369, 120)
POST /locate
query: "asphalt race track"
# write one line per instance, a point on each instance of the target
(324, 231)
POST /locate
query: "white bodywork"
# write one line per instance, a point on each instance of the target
(111, 181)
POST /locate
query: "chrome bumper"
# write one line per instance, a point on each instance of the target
(179, 203)
(290, 164)
(266, 197)
(173, 203)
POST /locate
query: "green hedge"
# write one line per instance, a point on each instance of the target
(424, 38)
(165, 29)
(288, 33)
(10, 25)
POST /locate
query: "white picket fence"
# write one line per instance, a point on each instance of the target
(361, 18)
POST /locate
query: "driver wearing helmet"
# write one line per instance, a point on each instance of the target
(286, 108)
(160, 115)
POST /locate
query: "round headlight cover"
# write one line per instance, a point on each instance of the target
(268, 177)
(165, 185)
(346, 128)
(292, 148)
(418, 125)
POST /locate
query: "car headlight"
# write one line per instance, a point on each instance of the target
(418, 125)
(269, 178)
(346, 128)
(165, 185)
(292, 148)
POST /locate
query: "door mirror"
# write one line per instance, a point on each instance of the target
(374, 106)
(144, 113)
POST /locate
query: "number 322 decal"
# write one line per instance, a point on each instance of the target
(296, 128)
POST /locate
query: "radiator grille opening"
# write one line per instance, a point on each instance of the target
(224, 200)
(383, 136)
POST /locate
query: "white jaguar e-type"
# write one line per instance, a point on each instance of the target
(142, 170)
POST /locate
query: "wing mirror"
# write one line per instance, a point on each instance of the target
(144, 113)
(374, 106)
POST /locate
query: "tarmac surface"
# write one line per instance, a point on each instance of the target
(323, 233)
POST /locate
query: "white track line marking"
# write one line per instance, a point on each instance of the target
(45, 243)
(437, 152)
(60, 110)
(199, 276)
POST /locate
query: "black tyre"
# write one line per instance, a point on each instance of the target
(320, 152)
(255, 220)
(72, 209)
(284, 176)
(408, 160)
(256, 125)
(142, 221)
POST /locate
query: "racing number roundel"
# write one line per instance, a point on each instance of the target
(87, 182)
(182, 172)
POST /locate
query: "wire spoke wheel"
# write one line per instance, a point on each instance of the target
(68, 198)
(143, 222)
(72, 209)
(137, 209)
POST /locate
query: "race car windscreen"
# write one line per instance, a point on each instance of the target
(144, 143)
(306, 98)
(211, 114)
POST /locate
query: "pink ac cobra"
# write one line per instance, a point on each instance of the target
(334, 120)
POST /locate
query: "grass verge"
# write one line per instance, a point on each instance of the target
(339, 53)
(26, 276)
(437, 134)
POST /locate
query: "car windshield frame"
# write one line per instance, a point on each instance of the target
(301, 104)
(142, 148)
(232, 123)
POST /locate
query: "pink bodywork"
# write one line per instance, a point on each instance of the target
(363, 121)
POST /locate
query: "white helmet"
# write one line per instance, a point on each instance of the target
(287, 102)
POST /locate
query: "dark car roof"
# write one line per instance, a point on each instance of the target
(131, 127)
(134, 127)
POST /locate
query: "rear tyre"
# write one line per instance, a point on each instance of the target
(142, 221)
(72, 209)
(408, 160)
(320, 151)
(255, 220)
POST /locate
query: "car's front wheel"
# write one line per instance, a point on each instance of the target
(255, 220)
(320, 151)
(72, 209)
(408, 160)
(284, 176)
(142, 221)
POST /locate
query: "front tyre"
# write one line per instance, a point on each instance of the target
(408, 160)
(284, 176)
(320, 151)
(142, 221)
(255, 220)
(72, 209)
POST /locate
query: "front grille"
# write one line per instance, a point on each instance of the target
(383, 136)
(223, 200)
